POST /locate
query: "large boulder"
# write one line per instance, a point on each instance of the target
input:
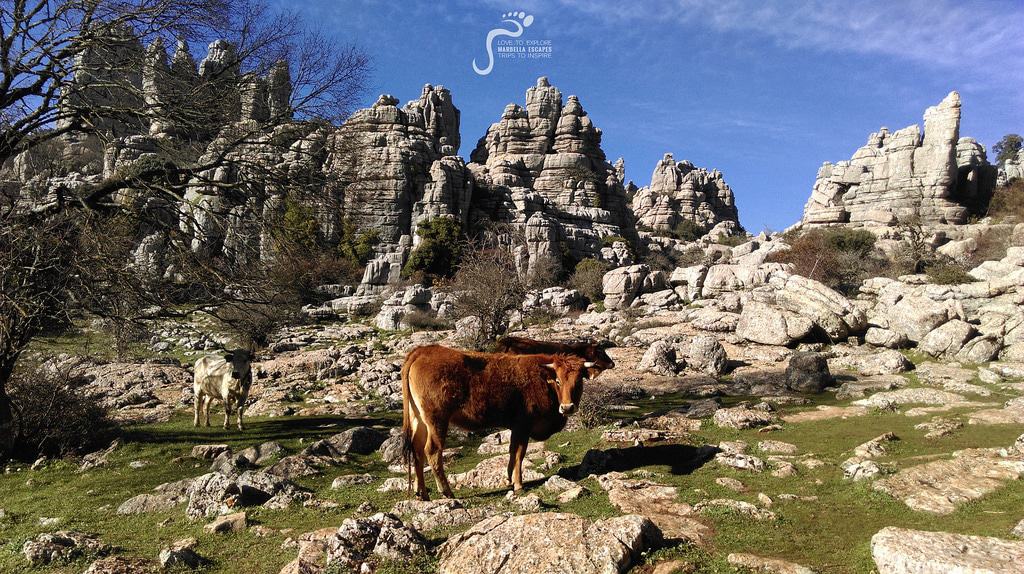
(707, 355)
(769, 325)
(948, 339)
(808, 372)
(829, 310)
(621, 286)
(549, 542)
(904, 551)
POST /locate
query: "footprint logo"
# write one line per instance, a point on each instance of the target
(520, 22)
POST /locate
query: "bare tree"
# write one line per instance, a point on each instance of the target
(488, 287)
(74, 76)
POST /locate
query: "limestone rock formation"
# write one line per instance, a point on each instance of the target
(936, 176)
(679, 192)
(1012, 168)
(542, 169)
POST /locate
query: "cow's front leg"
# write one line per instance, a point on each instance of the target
(227, 413)
(240, 408)
(517, 472)
(207, 402)
(513, 449)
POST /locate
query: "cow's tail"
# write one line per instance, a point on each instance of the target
(408, 451)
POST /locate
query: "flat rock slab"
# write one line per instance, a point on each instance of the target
(548, 542)
(940, 486)
(919, 396)
(762, 564)
(658, 502)
(824, 412)
(1011, 413)
(903, 551)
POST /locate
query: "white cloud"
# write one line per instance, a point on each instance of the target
(982, 38)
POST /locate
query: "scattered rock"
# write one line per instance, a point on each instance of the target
(229, 523)
(181, 554)
(857, 469)
(939, 427)
(731, 483)
(875, 447)
(742, 418)
(351, 480)
(262, 453)
(776, 447)
(738, 506)
(122, 565)
(380, 535)
(209, 451)
(62, 546)
(740, 461)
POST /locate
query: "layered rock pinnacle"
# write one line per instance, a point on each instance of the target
(680, 192)
(936, 177)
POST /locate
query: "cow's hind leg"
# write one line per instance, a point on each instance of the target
(207, 402)
(437, 432)
(419, 454)
(197, 406)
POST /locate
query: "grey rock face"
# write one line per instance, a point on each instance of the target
(808, 373)
(937, 176)
(679, 192)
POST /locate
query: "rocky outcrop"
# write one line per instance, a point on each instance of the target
(542, 169)
(936, 176)
(680, 191)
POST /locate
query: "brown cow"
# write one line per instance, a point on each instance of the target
(588, 350)
(532, 395)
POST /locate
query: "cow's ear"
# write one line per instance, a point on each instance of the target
(549, 371)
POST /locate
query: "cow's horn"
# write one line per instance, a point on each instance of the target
(550, 365)
(589, 364)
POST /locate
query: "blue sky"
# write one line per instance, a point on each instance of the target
(763, 91)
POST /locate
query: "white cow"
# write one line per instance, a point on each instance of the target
(226, 379)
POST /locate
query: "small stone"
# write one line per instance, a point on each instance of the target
(228, 523)
(857, 469)
(767, 565)
(776, 447)
(731, 483)
(571, 494)
(351, 480)
(181, 554)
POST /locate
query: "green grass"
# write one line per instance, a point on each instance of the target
(830, 535)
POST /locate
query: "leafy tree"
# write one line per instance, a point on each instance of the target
(1007, 147)
(59, 257)
(439, 251)
(588, 279)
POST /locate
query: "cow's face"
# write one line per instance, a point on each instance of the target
(595, 353)
(569, 373)
(241, 367)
